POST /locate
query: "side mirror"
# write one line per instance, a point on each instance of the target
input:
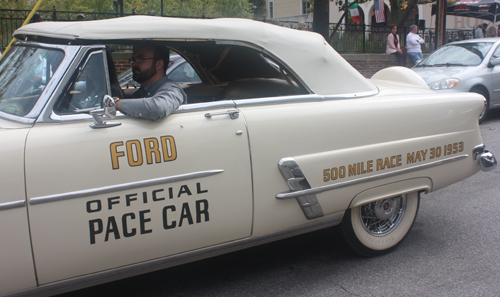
(108, 110)
(493, 62)
(108, 103)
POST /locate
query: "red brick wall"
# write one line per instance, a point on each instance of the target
(369, 64)
(121, 65)
(369, 68)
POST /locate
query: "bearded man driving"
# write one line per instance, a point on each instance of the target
(158, 96)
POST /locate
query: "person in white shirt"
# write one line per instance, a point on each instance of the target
(413, 41)
(478, 33)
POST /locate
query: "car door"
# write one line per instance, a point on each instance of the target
(495, 79)
(111, 197)
(15, 249)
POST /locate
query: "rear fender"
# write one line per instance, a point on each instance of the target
(391, 190)
(402, 75)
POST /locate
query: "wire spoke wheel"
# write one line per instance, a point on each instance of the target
(382, 217)
(379, 227)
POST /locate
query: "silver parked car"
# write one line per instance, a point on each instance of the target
(465, 66)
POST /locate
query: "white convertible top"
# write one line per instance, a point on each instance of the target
(321, 68)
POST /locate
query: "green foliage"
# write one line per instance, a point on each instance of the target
(61, 5)
(342, 4)
(258, 7)
(211, 8)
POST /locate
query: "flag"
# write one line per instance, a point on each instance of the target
(379, 11)
(353, 9)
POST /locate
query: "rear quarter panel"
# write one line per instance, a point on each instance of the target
(320, 136)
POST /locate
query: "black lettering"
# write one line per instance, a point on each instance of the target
(132, 232)
(93, 231)
(143, 221)
(202, 210)
(156, 198)
(98, 207)
(170, 193)
(130, 197)
(144, 197)
(185, 214)
(199, 190)
(184, 190)
(165, 221)
(112, 228)
(111, 202)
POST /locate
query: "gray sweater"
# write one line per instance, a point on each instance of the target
(156, 101)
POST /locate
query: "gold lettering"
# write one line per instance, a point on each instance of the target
(423, 154)
(115, 154)
(134, 147)
(152, 146)
(369, 166)
(169, 150)
(342, 171)
(363, 168)
(352, 169)
(410, 158)
(335, 173)
(387, 163)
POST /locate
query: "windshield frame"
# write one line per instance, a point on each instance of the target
(69, 53)
(463, 45)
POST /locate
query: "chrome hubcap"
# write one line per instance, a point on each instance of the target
(381, 217)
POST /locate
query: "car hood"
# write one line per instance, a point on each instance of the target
(432, 74)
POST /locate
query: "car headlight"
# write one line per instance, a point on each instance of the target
(446, 83)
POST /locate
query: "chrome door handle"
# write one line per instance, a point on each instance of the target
(233, 114)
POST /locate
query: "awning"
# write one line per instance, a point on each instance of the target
(480, 9)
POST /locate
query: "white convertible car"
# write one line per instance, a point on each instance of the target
(281, 137)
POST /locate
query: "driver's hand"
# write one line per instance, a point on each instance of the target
(118, 103)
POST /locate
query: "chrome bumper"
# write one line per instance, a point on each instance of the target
(487, 160)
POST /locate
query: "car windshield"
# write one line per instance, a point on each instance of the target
(461, 54)
(24, 73)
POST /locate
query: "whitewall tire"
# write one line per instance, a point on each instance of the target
(379, 227)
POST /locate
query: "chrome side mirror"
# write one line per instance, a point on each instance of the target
(108, 110)
(109, 106)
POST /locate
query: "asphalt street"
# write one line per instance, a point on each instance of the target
(452, 250)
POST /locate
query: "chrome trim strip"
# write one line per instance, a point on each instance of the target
(322, 189)
(296, 181)
(13, 204)
(226, 104)
(354, 95)
(205, 106)
(122, 187)
(278, 100)
(14, 118)
(301, 98)
(110, 275)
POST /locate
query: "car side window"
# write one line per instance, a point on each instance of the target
(184, 73)
(89, 88)
(496, 54)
